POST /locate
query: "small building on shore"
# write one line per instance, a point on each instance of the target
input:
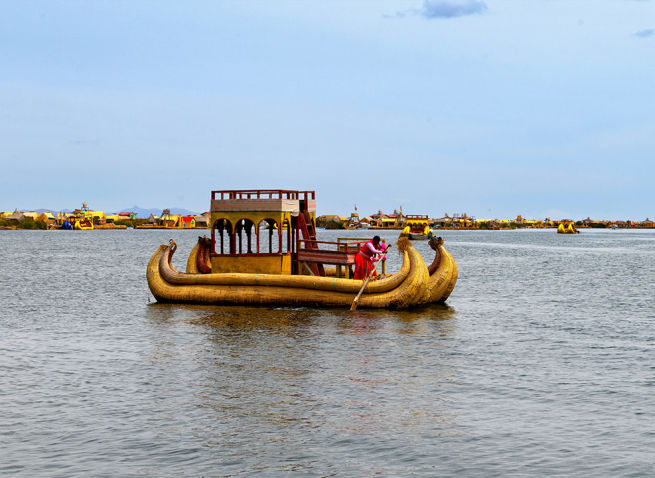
(387, 221)
(353, 220)
(464, 221)
(445, 221)
(167, 219)
(330, 218)
(47, 217)
(202, 221)
(99, 217)
(15, 216)
(186, 222)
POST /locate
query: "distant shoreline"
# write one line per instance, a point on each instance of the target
(97, 228)
(159, 228)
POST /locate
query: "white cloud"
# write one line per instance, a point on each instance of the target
(452, 8)
(644, 33)
(445, 9)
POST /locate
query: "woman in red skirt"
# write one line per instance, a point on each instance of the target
(364, 258)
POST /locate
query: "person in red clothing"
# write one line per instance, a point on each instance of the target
(365, 257)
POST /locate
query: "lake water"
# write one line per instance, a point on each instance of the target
(541, 364)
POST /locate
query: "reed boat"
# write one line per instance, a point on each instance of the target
(567, 228)
(83, 224)
(249, 261)
(417, 228)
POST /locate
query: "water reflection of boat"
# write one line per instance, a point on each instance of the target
(237, 266)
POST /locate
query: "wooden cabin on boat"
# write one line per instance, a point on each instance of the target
(417, 223)
(272, 232)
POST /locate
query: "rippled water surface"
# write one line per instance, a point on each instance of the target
(541, 364)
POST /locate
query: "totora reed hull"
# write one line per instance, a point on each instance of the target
(443, 273)
(412, 286)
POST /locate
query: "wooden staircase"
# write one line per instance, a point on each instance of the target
(308, 231)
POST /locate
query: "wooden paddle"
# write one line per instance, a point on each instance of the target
(354, 306)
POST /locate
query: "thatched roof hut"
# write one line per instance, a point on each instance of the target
(15, 216)
(46, 217)
(202, 220)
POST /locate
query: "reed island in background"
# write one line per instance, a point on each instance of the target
(176, 218)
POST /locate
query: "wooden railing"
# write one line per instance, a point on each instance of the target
(341, 253)
(262, 194)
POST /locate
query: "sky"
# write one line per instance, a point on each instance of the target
(494, 108)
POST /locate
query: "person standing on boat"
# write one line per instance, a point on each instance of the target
(365, 257)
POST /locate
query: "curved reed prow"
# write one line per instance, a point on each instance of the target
(403, 244)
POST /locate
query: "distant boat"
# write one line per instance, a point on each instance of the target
(614, 227)
(83, 224)
(567, 229)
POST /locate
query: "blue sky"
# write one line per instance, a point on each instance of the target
(494, 108)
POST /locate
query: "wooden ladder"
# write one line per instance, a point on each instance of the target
(309, 235)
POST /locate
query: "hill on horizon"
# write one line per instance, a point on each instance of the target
(139, 211)
(53, 211)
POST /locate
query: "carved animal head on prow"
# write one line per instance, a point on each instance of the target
(435, 242)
